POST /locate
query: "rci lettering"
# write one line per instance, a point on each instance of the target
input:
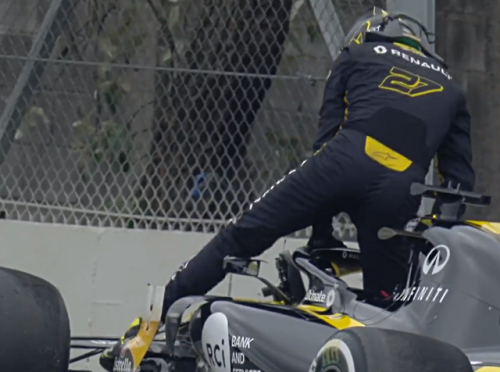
(216, 354)
(245, 370)
(241, 342)
(238, 358)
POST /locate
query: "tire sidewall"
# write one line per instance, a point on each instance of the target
(340, 354)
(35, 320)
(372, 349)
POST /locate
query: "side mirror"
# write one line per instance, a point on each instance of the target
(251, 267)
(241, 266)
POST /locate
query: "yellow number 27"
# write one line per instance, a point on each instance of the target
(409, 84)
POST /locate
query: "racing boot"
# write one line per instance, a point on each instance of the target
(107, 358)
(383, 300)
(322, 237)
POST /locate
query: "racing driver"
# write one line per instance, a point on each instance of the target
(389, 107)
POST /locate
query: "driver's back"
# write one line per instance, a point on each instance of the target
(397, 95)
(390, 104)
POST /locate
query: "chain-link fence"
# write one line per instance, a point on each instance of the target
(169, 114)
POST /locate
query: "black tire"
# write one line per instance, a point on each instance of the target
(374, 349)
(34, 325)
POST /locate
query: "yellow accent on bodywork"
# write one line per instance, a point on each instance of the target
(492, 227)
(385, 155)
(488, 369)
(258, 301)
(190, 311)
(342, 271)
(270, 302)
(336, 268)
(313, 308)
(135, 323)
(341, 321)
(139, 345)
(338, 321)
(427, 221)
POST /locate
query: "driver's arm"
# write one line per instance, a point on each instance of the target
(333, 111)
(455, 154)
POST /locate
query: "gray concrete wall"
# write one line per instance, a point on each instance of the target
(103, 273)
(468, 38)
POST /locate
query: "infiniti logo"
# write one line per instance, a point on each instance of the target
(436, 260)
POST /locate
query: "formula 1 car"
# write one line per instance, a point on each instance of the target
(445, 318)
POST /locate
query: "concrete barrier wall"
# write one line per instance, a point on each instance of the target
(102, 273)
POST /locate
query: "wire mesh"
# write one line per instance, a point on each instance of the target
(159, 114)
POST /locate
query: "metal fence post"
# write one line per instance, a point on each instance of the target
(32, 73)
(329, 24)
(425, 12)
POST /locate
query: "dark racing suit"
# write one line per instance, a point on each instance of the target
(387, 111)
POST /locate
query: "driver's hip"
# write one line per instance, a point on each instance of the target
(380, 152)
(338, 178)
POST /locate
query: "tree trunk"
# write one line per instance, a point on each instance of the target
(203, 119)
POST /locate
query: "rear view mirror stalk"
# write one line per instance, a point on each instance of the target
(251, 267)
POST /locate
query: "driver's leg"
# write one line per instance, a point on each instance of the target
(329, 180)
(388, 203)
